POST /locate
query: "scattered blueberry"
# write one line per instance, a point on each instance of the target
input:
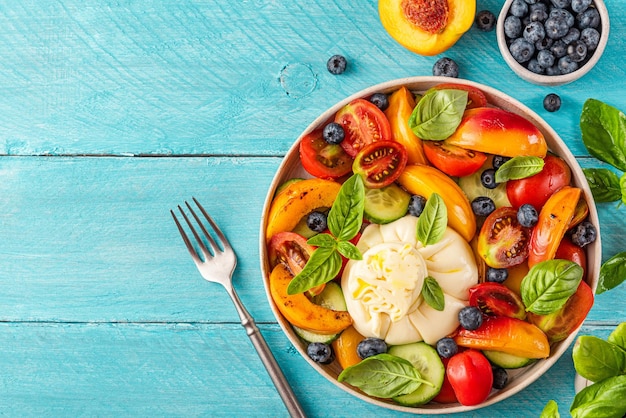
(446, 67)
(447, 347)
(370, 347)
(317, 221)
(521, 50)
(320, 353)
(518, 8)
(485, 20)
(584, 234)
(579, 6)
(470, 318)
(577, 51)
(591, 38)
(416, 205)
(552, 102)
(497, 275)
(333, 133)
(483, 206)
(488, 178)
(380, 100)
(527, 215)
(590, 18)
(500, 377)
(513, 27)
(498, 160)
(336, 64)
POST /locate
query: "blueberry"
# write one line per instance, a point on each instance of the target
(500, 377)
(538, 12)
(496, 275)
(591, 38)
(513, 27)
(577, 51)
(336, 64)
(558, 49)
(320, 353)
(554, 70)
(534, 66)
(584, 234)
(561, 3)
(317, 221)
(488, 178)
(579, 6)
(333, 133)
(545, 43)
(556, 28)
(527, 215)
(483, 206)
(590, 18)
(531, 1)
(545, 58)
(416, 205)
(446, 67)
(498, 160)
(485, 20)
(470, 317)
(572, 35)
(534, 32)
(380, 100)
(552, 102)
(562, 14)
(370, 347)
(447, 347)
(521, 50)
(518, 8)
(566, 65)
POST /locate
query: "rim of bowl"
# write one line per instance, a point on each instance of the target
(519, 379)
(552, 80)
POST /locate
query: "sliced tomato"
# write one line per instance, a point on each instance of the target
(502, 241)
(569, 251)
(497, 299)
(380, 163)
(452, 160)
(321, 159)
(475, 96)
(363, 123)
(471, 377)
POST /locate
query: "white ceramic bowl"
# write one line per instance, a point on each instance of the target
(291, 168)
(552, 80)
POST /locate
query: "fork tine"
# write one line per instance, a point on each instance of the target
(183, 234)
(218, 231)
(214, 248)
(205, 251)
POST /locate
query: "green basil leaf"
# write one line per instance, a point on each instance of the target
(518, 168)
(346, 215)
(622, 186)
(437, 115)
(604, 184)
(549, 284)
(433, 294)
(322, 240)
(603, 129)
(551, 410)
(596, 359)
(383, 376)
(349, 250)
(602, 399)
(322, 267)
(618, 336)
(432, 223)
(612, 273)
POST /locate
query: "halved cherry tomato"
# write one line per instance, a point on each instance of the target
(502, 241)
(560, 324)
(569, 251)
(380, 163)
(401, 105)
(536, 189)
(475, 96)
(363, 124)
(554, 219)
(471, 377)
(497, 299)
(452, 160)
(446, 394)
(321, 159)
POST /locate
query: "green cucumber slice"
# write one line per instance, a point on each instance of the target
(386, 204)
(313, 337)
(425, 358)
(331, 298)
(506, 360)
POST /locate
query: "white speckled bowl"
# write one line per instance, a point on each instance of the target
(518, 379)
(555, 80)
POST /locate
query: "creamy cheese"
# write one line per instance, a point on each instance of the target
(383, 290)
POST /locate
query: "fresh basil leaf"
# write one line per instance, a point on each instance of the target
(602, 399)
(322, 240)
(549, 284)
(622, 186)
(383, 376)
(551, 410)
(518, 168)
(349, 250)
(346, 215)
(432, 223)
(433, 294)
(604, 184)
(596, 359)
(438, 114)
(618, 336)
(612, 273)
(603, 129)
(323, 265)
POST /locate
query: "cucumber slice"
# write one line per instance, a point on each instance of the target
(386, 204)
(425, 358)
(331, 298)
(313, 337)
(506, 360)
(473, 188)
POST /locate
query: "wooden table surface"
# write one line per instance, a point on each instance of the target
(114, 111)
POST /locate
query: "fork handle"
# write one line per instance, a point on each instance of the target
(280, 381)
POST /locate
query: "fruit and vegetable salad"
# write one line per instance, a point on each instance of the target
(435, 245)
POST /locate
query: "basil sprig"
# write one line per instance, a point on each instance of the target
(433, 294)
(596, 359)
(438, 113)
(518, 168)
(344, 222)
(549, 284)
(432, 223)
(606, 398)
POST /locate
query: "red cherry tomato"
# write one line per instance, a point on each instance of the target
(446, 394)
(471, 377)
(363, 124)
(496, 299)
(538, 188)
(452, 160)
(380, 163)
(475, 96)
(502, 241)
(321, 159)
(569, 251)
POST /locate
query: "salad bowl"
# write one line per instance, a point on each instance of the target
(291, 168)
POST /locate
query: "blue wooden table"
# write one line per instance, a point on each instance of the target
(114, 111)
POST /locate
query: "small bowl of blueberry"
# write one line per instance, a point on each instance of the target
(552, 42)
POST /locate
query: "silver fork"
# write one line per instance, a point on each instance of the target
(217, 264)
